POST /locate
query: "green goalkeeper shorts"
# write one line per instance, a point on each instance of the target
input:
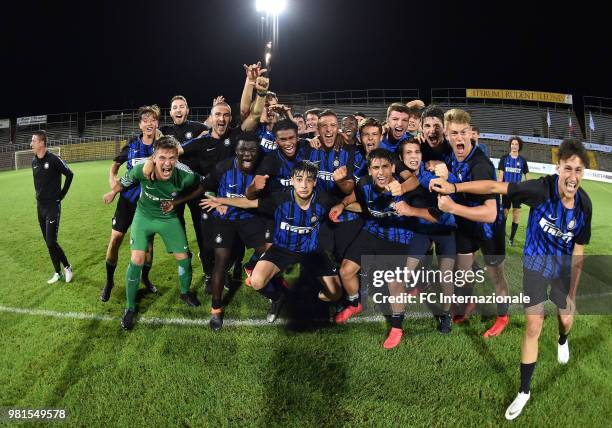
(170, 230)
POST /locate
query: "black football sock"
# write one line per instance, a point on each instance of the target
(513, 231)
(526, 373)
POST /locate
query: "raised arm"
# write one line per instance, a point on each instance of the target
(478, 187)
(261, 86)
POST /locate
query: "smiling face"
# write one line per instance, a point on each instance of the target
(514, 147)
(221, 118)
(287, 142)
(303, 184)
(301, 123)
(398, 124)
(570, 171)
(414, 122)
(381, 171)
(459, 136)
(370, 137)
(433, 131)
(269, 115)
(349, 126)
(247, 153)
(165, 160)
(412, 156)
(328, 130)
(179, 111)
(311, 122)
(148, 125)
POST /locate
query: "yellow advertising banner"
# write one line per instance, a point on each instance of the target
(514, 94)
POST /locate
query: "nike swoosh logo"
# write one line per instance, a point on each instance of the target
(551, 218)
(149, 187)
(34, 167)
(231, 185)
(51, 222)
(212, 148)
(289, 218)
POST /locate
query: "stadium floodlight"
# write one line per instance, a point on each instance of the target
(271, 7)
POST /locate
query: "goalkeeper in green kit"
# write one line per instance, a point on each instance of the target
(155, 214)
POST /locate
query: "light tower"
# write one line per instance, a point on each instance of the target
(269, 11)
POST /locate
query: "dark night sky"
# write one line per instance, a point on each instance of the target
(79, 56)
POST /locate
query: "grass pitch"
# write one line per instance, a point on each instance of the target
(173, 373)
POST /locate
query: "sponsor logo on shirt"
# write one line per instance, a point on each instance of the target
(300, 230)
(514, 170)
(268, 145)
(553, 230)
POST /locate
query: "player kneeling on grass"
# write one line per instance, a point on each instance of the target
(298, 213)
(558, 228)
(154, 215)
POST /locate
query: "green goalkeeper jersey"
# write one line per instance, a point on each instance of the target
(152, 193)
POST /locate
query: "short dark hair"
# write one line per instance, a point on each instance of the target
(397, 107)
(406, 142)
(370, 121)
(379, 154)
(415, 111)
(475, 129)
(166, 142)
(517, 138)
(41, 134)
(310, 169)
(314, 111)
(432, 111)
(179, 97)
(153, 109)
(358, 113)
(284, 125)
(298, 115)
(248, 136)
(570, 147)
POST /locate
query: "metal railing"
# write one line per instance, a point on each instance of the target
(351, 96)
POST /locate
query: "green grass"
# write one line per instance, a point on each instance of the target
(171, 375)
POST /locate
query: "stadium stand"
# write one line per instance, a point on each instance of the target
(598, 114)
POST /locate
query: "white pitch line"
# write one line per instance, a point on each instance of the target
(249, 322)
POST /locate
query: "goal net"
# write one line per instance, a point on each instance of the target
(23, 158)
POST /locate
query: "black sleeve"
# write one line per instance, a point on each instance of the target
(501, 166)
(483, 171)
(122, 157)
(530, 192)
(268, 166)
(525, 166)
(584, 237)
(61, 166)
(268, 204)
(210, 183)
(325, 200)
(191, 147)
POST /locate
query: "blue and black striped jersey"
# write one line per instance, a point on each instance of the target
(328, 161)
(379, 209)
(133, 153)
(229, 181)
(390, 144)
(476, 166)
(276, 165)
(267, 140)
(513, 168)
(296, 229)
(552, 229)
(443, 152)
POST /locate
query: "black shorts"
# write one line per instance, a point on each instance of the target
(124, 214)
(249, 231)
(535, 285)
(493, 250)
(506, 202)
(342, 234)
(367, 244)
(446, 246)
(317, 263)
(269, 229)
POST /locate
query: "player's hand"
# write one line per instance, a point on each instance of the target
(109, 197)
(445, 204)
(209, 202)
(395, 188)
(402, 208)
(431, 165)
(148, 170)
(222, 209)
(441, 171)
(315, 143)
(167, 206)
(420, 137)
(340, 173)
(203, 133)
(441, 186)
(158, 134)
(335, 212)
(261, 84)
(259, 182)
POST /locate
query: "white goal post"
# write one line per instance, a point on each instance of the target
(23, 158)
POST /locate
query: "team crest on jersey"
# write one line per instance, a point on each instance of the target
(46, 165)
(571, 224)
(227, 142)
(173, 194)
(314, 219)
(336, 163)
(267, 236)
(188, 135)
(204, 216)
(114, 221)
(218, 239)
